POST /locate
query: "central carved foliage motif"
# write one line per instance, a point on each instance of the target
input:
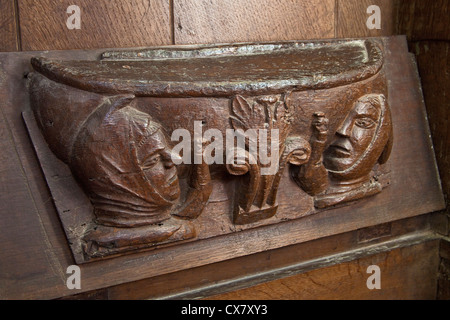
(308, 120)
(257, 192)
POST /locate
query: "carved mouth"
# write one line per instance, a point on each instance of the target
(173, 179)
(341, 150)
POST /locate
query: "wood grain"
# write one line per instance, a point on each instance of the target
(203, 281)
(400, 269)
(352, 17)
(19, 216)
(433, 60)
(34, 266)
(424, 20)
(9, 39)
(104, 24)
(413, 170)
(444, 271)
(218, 21)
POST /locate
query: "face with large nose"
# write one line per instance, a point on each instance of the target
(155, 159)
(354, 136)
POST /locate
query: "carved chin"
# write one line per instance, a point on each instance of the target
(174, 195)
(339, 164)
(172, 191)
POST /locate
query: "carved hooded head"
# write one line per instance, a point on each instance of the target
(119, 154)
(363, 139)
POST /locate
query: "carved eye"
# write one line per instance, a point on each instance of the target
(151, 161)
(365, 123)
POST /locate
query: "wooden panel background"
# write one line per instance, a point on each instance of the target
(104, 23)
(29, 25)
(400, 270)
(427, 25)
(207, 21)
(9, 35)
(135, 23)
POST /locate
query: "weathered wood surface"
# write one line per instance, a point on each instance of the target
(413, 176)
(444, 271)
(433, 61)
(62, 111)
(230, 275)
(134, 23)
(424, 20)
(104, 24)
(352, 17)
(198, 21)
(27, 199)
(350, 277)
(221, 71)
(9, 38)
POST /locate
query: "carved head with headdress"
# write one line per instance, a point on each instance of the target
(363, 139)
(118, 153)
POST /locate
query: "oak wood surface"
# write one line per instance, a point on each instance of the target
(352, 17)
(400, 271)
(423, 195)
(444, 271)
(219, 21)
(9, 37)
(433, 60)
(104, 24)
(205, 281)
(426, 24)
(424, 20)
(36, 268)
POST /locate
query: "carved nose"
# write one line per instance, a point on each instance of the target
(345, 129)
(169, 164)
(170, 158)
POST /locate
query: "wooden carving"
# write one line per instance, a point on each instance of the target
(343, 172)
(123, 160)
(312, 118)
(257, 193)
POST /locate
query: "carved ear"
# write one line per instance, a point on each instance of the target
(299, 157)
(387, 149)
(387, 120)
(297, 151)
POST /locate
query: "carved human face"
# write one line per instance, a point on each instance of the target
(353, 137)
(155, 159)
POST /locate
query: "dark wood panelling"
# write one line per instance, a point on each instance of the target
(424, 19)
(48, 237)
(352, 18)
(104, 23)
(201, 281)
(216, 21)
(444, 271)
(37, 268)
(9, 40)
(433, 59)
(405, 273)
(427, 25)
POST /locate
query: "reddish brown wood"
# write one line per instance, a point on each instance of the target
(221, 70)
(109, 145)
(433, 60)
(9, 37)
(443, 292)
(423, 194)
(229, 275)
(424, 20)
(105, 24)
(39, 269)
(352, 17)
(350, 279)
(221, 21)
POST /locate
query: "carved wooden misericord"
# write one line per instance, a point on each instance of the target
(109, 124)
